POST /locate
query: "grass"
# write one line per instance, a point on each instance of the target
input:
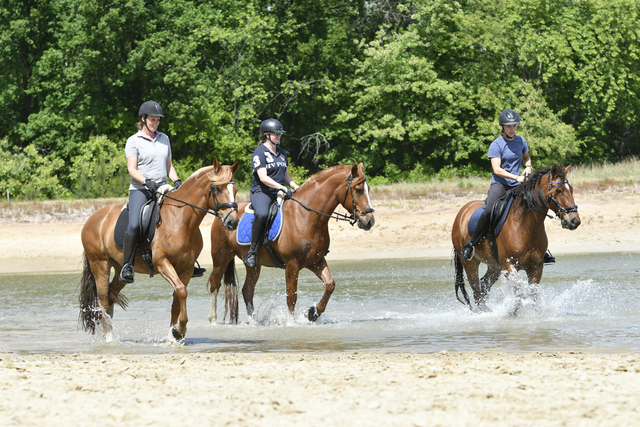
(618, 177)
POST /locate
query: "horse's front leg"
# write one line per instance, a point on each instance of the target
(249, 287)
(179, 306)
(215, 281)
(534, 274)
(321, 269)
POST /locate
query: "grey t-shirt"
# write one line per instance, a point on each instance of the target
(152, 157)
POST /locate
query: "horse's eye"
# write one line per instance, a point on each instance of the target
(359, 191)
(559, 191)
(219, 190)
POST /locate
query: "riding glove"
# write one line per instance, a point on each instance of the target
(177, 183)
(151, 185)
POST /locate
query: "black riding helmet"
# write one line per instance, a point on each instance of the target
(150, 108)
(271, 125)
(509, 117)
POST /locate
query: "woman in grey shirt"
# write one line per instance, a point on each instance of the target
(149, 162)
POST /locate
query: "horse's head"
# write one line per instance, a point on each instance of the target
(356, 198)
(222, 194)
(560, 197)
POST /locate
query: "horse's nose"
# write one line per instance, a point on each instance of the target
(231, 224)
(365, 223)
(575, 222)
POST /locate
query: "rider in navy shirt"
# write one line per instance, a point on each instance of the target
(507, 152)
(270, 175)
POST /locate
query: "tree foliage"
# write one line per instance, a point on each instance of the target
(412, 88)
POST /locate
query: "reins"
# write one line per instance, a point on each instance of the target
(339, 216)
(216, 206)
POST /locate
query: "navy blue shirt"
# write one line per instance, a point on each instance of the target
(276, 168)
(510, 154)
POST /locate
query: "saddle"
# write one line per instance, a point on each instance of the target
(272, 230)
(149, 219)
(497, 218)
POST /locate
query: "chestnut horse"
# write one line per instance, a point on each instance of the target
(175, 246)
(303, 241)
(522, 243)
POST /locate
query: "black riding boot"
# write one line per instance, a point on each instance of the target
(481, 229)
(251, 260)
(128, 258)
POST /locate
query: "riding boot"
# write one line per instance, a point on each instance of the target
(251, 259)
(481, 229)
(548, 258)
(128, 258)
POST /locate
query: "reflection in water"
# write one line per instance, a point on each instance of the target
(587, 303)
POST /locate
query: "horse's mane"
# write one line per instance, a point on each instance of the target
(321, 176)
(529, 194)
(225, 175)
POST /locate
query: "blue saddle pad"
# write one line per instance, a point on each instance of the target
(243, 236)
(473, 221)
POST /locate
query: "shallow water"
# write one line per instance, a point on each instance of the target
(587, 303)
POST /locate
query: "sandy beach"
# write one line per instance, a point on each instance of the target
(576, 388)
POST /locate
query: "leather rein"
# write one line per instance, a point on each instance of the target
(216, 205)
(339, 216)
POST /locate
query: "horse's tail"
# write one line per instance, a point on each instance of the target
(231, 292)
(89, 313)
(460, 280)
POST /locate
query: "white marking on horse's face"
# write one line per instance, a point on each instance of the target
(366, 191)
(566, 185)
(230, 189)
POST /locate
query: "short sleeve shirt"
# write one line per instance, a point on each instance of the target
(152, 157)
(276, 166)
(510, 154)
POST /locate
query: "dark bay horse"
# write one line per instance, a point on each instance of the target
(522, 243)
(303, 241)
(175, 246)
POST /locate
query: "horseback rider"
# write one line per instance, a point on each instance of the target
(506, 154)
(149, 162)
(270, 175)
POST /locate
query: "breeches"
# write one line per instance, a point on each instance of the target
(137, 199)
(261, 202)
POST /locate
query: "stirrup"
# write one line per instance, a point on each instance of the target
(198, 271)
(129, 278)
(548, 259)
(469, 250)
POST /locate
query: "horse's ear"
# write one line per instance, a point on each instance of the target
(554, 170)
(354, 170)
(234, 167)
(566, 170)
(216, 165)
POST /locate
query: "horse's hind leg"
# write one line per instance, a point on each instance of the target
(321, 269)
(491, 276)
(473, 275)
(100, 270)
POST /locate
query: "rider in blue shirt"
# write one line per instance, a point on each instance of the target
(269, 176)
(507, 152)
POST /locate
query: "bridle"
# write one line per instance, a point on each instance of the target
(339, 216)
(353, 201)
(216, 205)
(561, 210)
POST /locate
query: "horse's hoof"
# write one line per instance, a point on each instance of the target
(312, 314)
(482, 309)
(176, 335)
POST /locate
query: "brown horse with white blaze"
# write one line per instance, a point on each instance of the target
(303, 242)
(522, 243)
(175, 246)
